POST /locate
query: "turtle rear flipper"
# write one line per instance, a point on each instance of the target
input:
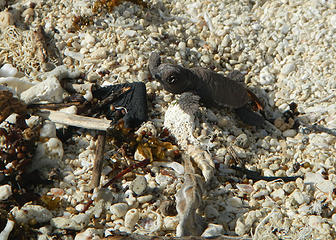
(249, 117)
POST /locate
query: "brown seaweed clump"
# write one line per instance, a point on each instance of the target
(17, 140)
(107, 5)
(9, 105)
(17, 148)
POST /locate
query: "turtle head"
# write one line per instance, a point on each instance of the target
(174, 78)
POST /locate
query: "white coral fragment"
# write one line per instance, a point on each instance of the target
(179, 119)
(50, 89)
(203, 161)
(4, 235)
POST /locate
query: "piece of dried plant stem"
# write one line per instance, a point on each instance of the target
(98, 161)
(75, 120)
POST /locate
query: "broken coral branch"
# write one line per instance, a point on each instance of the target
(188, 200)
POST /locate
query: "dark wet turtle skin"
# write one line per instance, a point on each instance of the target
(213, 88)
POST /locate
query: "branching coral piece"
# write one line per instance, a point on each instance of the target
(188, 199)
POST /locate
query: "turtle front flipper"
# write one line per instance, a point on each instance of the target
(153, 64)
(249, 117)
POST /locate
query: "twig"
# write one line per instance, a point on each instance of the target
(143, 163)
(75, 120)
(319, 128)
(262, 223)
(256, 176)
(98, 162)
(53, 106)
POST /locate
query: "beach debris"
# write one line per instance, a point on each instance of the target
(214, 89)
(254, 175)
(306, 128)
(7, 70)
(188, 200)
(75, 120)
(5, 192)
(80, 21)
(139, 185)
(99, 7)
(180, 119)
(40, 43)
(141, 164)
(288, 120)
(128, 100)
(213, 230)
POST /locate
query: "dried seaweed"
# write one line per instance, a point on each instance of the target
(101, 6)
(9, 105)
(18, 146)
(150, 147)
(79, 22)
(51, 202)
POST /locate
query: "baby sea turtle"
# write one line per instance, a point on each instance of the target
(213, 88)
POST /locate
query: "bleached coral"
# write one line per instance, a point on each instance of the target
(180, 121)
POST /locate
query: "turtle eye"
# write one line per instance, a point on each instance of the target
(171, 79)
(157, 76)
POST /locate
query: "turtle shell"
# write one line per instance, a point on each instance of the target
(214, 88)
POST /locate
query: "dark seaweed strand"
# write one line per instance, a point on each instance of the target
(256, 176)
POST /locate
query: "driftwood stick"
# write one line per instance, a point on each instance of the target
(75, 120)
(98, 162)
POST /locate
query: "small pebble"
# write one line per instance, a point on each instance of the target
(213, 230)
(289, 133)
(139, 185)
(145, 199)
(170, 223)
(288, 68)
(242, 141)
(5, 192)
(211, 212)
(119, 209)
